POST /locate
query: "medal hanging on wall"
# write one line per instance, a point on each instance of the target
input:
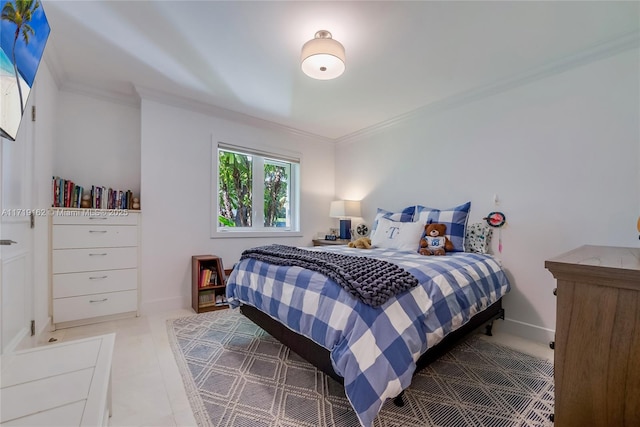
(497, 220)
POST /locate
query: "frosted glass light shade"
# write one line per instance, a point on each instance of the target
(345, 209)
(323, 58)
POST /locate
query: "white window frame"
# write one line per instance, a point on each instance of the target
(257, 214)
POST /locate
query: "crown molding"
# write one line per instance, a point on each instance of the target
(131, 100)
(224, 113)
(600, 51)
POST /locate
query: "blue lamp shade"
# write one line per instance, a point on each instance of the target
(345, 210)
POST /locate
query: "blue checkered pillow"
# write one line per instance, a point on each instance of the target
(406, 215)
(454, 218)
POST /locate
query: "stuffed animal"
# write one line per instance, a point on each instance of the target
(361, 243)
(434, 241)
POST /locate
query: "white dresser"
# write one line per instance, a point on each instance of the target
(95, 260)
(65, 384)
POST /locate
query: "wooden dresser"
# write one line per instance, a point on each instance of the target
(94, 265)
(597, 344)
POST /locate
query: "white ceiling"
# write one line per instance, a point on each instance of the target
(244, 56)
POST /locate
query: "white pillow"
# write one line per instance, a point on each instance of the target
(402, 236)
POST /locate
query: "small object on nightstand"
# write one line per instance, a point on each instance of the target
(361, 230)
(330, 237)
(330, 242)
(345, 210)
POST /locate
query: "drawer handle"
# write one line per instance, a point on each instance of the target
(102, 254)
(98, 300)
(97, 217)
(98, 277)
(97, 231)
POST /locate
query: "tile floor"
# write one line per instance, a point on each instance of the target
(147, 387)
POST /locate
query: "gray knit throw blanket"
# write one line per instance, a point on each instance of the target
(371, 280)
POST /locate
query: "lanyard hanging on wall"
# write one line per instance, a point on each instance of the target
(497, 220)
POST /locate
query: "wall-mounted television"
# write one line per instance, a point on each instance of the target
(23, 34)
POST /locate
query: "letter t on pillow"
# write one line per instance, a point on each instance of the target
(401, 236)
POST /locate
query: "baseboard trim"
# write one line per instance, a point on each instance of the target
(92, 320)
(162, 305)
(526, 330)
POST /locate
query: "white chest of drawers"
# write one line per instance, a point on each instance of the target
(95, 260)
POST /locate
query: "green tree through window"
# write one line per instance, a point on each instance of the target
(235, 183)
(276, 196)
(255, 192)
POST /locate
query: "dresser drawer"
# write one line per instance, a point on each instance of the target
(93, 236)
(77, 260)
(84, 307)
(94, 282)
(93, 217)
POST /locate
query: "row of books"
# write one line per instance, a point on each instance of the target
(209, 297)
(66, 194)
(208, 277)
(107, 198)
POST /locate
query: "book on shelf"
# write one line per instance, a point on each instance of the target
(207, 297)
(205, 276)
(108, 198)
(210, 297)
(213, 279)
(208, 277)
(66, 194)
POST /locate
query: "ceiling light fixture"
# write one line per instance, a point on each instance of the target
(323, 57)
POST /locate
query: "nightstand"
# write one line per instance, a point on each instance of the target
(323, 242)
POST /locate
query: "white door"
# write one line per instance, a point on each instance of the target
(16, 259)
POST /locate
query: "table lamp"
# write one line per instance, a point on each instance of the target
(345, 210)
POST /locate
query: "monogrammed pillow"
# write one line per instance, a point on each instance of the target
(402, 236)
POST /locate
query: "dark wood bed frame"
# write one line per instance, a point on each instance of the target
(319, 356)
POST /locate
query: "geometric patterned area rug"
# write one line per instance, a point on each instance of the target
(235, 374)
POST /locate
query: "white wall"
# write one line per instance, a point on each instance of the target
(176, 195)
(561, 153)
(97, 142)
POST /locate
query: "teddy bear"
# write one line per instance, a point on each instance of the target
(434, 241)
(361, 243)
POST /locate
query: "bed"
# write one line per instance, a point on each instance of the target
(373, 351)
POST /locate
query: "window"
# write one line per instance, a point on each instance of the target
(257, 192)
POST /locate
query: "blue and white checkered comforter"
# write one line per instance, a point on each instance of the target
(373, 349)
